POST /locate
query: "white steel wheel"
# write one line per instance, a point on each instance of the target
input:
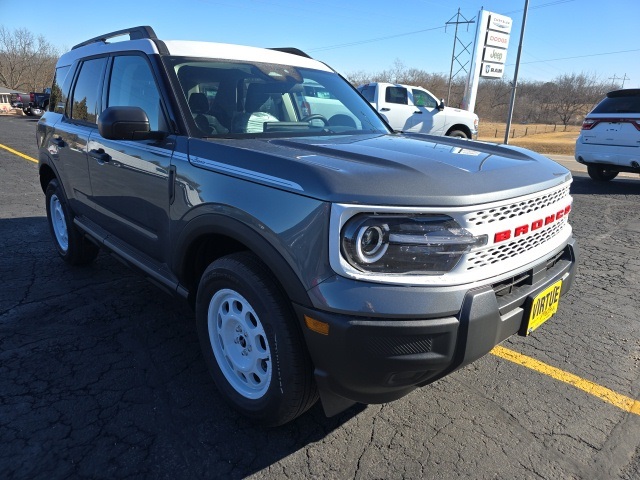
(59, 223)
(70, 243)
(240, 344)
(251, 341)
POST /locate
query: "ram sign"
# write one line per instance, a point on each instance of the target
(492, 70)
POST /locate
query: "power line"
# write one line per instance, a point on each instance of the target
(543, 5)
(579, 56)
(360, 42)
(377, 39)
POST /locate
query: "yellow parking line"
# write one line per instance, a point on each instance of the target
(625, 403)
(15, 152)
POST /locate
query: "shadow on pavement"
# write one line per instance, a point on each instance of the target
(101, 376)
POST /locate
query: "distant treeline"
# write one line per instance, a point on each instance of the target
(564, 100)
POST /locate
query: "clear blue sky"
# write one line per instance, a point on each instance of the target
(561, 36)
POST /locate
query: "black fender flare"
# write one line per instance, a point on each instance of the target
(252, 239)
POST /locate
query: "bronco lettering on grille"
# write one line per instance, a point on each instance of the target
(531, 227)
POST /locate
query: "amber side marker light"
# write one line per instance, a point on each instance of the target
(316, 325)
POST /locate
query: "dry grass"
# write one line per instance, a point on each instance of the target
(545, 139)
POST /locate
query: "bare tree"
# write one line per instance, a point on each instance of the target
(492, 101)
(574, 95)
(27, 62)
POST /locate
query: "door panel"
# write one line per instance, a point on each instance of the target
(129, 181)
(130, 178)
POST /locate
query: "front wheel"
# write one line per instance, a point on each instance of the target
(72, 246)
(601, 174)
(251, 341)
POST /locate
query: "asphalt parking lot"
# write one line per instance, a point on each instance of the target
(101, 374)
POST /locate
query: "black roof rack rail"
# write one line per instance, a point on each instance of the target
(135, 33)
(292, 50)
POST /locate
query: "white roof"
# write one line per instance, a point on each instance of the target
(229, 51)
(182, 48)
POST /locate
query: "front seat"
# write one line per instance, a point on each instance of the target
(343, 120)
(258, 109)
(199, 106)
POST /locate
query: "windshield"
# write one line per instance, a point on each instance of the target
(253, 99)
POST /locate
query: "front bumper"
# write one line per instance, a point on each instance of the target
(380, 359)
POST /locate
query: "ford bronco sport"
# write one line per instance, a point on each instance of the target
(324, 255)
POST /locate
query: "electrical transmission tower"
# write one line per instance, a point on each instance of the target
(462, 67)
(624, 78)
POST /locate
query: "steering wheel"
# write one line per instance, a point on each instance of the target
(315, 116)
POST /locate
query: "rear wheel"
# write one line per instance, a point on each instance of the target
(71, 244)
(251, 341)
(601, 174)
(457, 134)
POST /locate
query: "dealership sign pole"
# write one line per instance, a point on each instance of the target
(515, 75)
(489, 54)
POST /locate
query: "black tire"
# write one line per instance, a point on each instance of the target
(601, 174)
(457, 134)
(71, 244)
(253, 345)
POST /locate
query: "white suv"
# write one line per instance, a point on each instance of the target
(609, 142)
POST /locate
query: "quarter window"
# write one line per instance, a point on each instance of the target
(58, 98)
(86, 94)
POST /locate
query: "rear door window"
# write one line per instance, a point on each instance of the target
(86, 95)
(396, 95)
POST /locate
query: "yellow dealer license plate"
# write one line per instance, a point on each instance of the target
(543, 306)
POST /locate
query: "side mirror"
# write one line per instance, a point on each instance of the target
(124, 123)
(441, 104)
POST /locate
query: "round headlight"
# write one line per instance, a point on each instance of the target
(370, 243)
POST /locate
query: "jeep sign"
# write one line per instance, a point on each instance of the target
(495, 55)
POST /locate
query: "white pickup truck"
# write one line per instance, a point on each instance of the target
(414, 109)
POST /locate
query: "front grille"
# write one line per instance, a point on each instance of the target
(512, 249)
(507, 289)
(517, 209)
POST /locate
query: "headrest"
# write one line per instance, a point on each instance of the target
(198, 103)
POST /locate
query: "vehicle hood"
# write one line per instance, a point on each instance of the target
(400, 169)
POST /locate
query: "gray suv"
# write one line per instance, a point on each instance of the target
(325, 256)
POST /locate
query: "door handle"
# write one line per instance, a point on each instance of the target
(385, 109)
(418, 111)
(100, 155)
